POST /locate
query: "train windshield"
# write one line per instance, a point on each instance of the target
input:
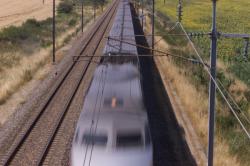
(95, 139)
(125, 140)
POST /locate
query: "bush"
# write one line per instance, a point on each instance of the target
(241, 70)
(72, 22)
(14, 33)
(33, 23)
(65, 7)
(247, 95)
(28, 31)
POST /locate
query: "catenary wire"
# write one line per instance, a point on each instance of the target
(98, 115)
(93, 116)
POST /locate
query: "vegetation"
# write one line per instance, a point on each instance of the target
(18, 44)
(97, 3)
(65, 7)
(232, 17)
(31, 33)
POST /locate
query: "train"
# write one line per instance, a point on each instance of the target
(113, 127)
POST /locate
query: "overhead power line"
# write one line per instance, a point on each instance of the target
(164, 53)
(200, 61)
(93, 115)
(98, 116)
(234, 35)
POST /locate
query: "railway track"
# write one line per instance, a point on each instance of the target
(33, 144)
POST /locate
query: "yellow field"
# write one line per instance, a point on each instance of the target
(232, 16)
(15, 12)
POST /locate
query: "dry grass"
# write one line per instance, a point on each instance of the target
(222, 156)
(30, 68)
(17, 77)
(195, 103)
(238, 88)
(13, 78)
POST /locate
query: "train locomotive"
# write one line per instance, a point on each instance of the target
(113, 127)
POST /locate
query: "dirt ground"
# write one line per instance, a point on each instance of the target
(15, 12)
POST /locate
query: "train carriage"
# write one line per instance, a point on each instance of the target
(113, 126)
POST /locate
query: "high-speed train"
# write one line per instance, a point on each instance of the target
(113, 126)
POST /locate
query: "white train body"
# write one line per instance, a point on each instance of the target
(113, 126)
(119, 140)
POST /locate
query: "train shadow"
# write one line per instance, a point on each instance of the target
(170, 147)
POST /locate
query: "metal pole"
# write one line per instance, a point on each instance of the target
(179, 13)
(212, 88)
(94, 9)
(94, 13)
(153, 26)
(138, 6)
(246, 47)
(82, 16)
(54, 31)
(102, 5)
(142, 13)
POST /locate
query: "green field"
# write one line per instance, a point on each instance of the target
(232, 17)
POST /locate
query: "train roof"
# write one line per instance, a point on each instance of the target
(115, 87)
(117, 72)
(122, 30)
(110, 120)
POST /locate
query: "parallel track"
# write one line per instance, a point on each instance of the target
(69, 84)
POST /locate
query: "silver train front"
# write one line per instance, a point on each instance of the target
(113, 126)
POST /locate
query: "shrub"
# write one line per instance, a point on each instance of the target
(33, 23)
(225, 122)
(242, 71)
(244, 105)
(65, 7)
(14, 33)
(72, 22)
(247, 95)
